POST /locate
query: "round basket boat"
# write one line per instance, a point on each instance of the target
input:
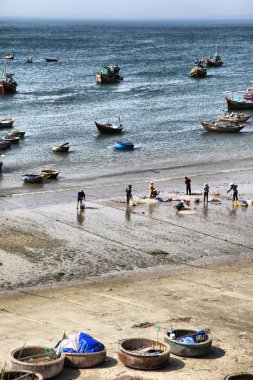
(188, 349)
(84, 360)
(132, 355)
(33, 358)
(26, 375)
(239, 376)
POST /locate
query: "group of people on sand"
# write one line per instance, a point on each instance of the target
(153, 193)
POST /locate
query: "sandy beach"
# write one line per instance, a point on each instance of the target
(106, 268)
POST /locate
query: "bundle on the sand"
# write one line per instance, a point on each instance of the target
(79, 343)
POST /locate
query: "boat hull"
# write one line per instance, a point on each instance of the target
(235, 119)
(211, 63)
(188, 350)
(238, 104)
(33, 178)
(198, 72)
(107, 79)
(7, 88)
(1, 165)
(210, 127)
(107, 129)
(124, 146)
(128, 354)
(85, 360)
(6, 123)
(50, 173)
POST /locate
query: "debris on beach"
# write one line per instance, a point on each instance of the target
(142, 325)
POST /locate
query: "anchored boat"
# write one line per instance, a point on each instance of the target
(214, 61)
(109, 74)
(61, 148)
(234, 117)
(217, 127)
(6, 123)
(124, 145)
(199, 70)
(7, 83)
(109, 129)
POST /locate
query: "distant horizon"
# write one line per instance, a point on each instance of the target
(54, 18)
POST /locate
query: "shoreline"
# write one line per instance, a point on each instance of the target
(48, 241)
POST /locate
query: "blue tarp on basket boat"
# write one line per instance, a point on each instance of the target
(79, 343)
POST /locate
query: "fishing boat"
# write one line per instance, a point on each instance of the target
(50, 173)
(7, 83)
(143, 354)
(61, 148)
(18, 375)
(4, 144)
(109, 129)
(6, 123)
(51, 59)
(217, 127)
(214, 61)
(248, 94)
(234, 117)
(32, 178)
(29, 60)
(199, 70)
(127, 145)
(239, 104)
(109, 74)
(189, 343)
(9, 56)
(12, 139)
(1, 165)
(20, 134)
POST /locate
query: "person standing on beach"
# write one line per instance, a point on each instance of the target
(129, 193)
(80, 198)
(187, 182)
(235, 191)
(206, 191)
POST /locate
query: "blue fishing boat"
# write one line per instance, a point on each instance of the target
(124, 145)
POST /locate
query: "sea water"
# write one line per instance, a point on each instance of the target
(158, 103)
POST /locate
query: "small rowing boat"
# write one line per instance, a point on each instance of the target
(234, 117)
(127, 145)
(32, 178)
(6, 123)
(51, 59)
(61, 148)
(109, 129)
(20, 134)
(50, 173)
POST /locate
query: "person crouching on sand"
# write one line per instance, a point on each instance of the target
(80, 198)
(153, 191)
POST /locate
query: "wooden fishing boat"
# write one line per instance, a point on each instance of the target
(214, 61)
(32, 178)
(50, 173)
(217, 127)
(61, 148)
(37, 359)
(143, 354)
(234, 117)
(24, 375)
(109, 74)
(127, 145)
(6, 123)
(199, 70)
(109, 129)
(4, 144)
(239, 104)
(12, 139)
(20, 134)
(29, 60)
(51, 59)
(9, 56)
(188, 349)
(1, 165)
(7, 83)
(86, 360)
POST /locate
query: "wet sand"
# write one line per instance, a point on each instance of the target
(158, 263)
